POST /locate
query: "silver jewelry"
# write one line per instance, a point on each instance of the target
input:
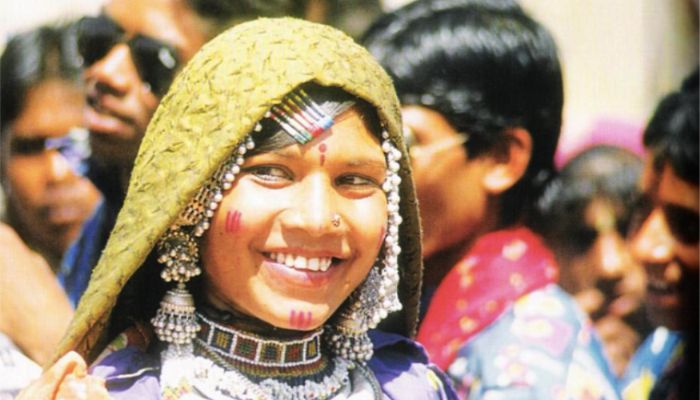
(202, 376)
(377, 296)
(175, 320)
(179, 253)
(335, 220)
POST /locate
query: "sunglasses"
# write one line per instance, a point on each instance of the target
(416, 149)
(155, 60)
(73, 146)
(683, 223)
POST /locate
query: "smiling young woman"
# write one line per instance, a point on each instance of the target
(276, 204)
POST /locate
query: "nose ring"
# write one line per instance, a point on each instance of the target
(335, 220)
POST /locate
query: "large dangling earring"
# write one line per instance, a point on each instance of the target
(175, 321)
(377, 296)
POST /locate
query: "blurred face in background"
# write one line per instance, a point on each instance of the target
(596, 266)
(131, 54)
(665, 241)
(48, 199)
(452, 199)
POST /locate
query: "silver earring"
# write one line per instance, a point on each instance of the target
(335, 220)
(175, 321)
(377, 296)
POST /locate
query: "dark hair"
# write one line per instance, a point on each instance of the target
(485, 66)
(672, 132)
(603, 171)
(224, 12)
(32, 57)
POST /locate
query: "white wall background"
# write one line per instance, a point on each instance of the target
(19, 15)
(619, 56)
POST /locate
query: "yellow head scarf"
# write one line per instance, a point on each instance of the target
(212, 105)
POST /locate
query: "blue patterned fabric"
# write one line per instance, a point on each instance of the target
(543, 347)
(659, 351)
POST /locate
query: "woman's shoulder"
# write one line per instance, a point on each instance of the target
(130, 373)
(403, 369)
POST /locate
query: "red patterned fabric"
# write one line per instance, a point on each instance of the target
(501, 267)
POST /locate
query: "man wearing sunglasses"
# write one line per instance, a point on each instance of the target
(131, 53)
(664, 239)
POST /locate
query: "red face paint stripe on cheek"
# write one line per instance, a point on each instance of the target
(233, 221)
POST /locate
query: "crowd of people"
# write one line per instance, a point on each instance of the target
(233, 199)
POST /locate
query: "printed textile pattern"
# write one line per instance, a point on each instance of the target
(544, 347)
(517, 335)
(506, 265)
(661, 350)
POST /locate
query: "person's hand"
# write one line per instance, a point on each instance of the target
(66, 379)
(34, 309)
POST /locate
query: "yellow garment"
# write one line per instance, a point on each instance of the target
(211, 106)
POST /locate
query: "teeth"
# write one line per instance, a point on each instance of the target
(659, 285)
(301, 262)
(313, 264)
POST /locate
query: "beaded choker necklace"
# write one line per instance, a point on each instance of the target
(257, 355)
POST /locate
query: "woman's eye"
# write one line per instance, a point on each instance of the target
(269, 173)
(356, 180)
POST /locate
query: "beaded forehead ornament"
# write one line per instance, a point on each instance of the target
(300, 117)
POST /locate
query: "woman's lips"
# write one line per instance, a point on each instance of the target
(287, 277)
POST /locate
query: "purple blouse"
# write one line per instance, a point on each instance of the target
(400, 365)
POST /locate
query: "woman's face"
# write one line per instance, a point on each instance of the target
(47, 198)
(275, 249)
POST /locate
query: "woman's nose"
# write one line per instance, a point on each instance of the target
(315, 210)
